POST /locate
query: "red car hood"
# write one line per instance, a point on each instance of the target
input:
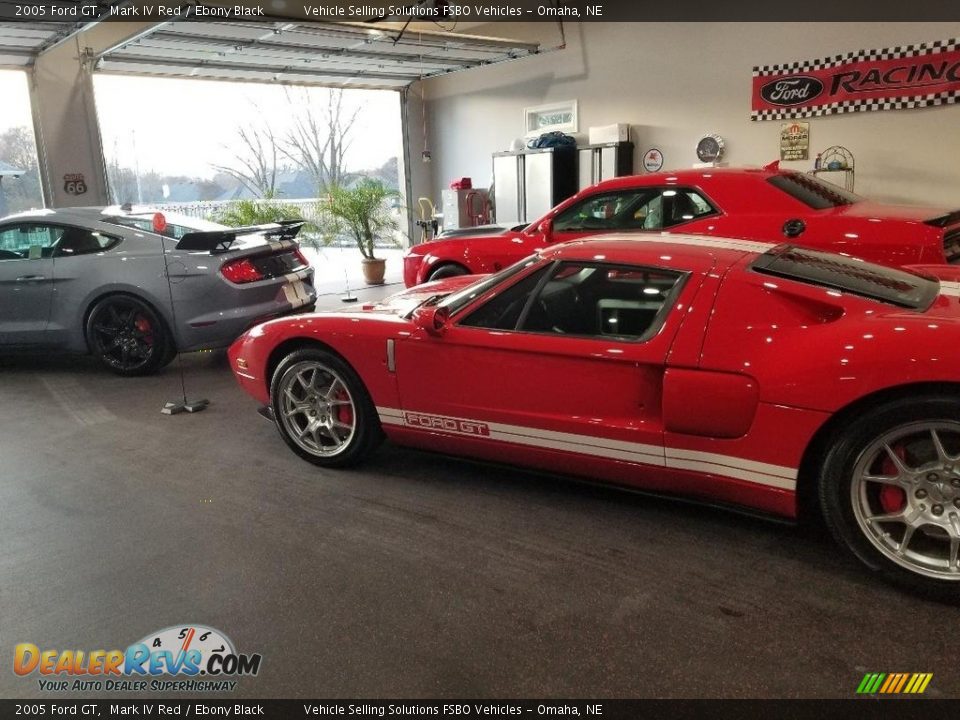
(916, 213)
(404, 302)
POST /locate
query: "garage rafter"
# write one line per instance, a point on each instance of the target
(22, 42)
(345, 54)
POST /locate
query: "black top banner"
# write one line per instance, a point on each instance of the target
(446, 12)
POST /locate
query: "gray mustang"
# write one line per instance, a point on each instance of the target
(94, 280)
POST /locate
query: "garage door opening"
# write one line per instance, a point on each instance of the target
(19, 172)
(247, 153)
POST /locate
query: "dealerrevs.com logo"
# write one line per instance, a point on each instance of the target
(202, 658)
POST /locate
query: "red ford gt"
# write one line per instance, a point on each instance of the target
(771, 377)
(768, 204)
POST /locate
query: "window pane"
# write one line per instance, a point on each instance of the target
(610, 211)
(812, 192)
(644, 209)
(503, 311)
(76, 241)
(848, 274)
(28, 242)
(19, 174)
(602, 300)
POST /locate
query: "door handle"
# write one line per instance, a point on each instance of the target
(30, 278)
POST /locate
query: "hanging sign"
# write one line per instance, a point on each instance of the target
(899, 78)
(74, 184)
(795, 141)
(653, 160)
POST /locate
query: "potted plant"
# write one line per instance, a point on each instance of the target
(362, 212)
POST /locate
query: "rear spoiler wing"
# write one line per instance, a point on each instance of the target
(220, 241)
(944, 220)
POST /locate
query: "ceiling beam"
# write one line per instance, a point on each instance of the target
(17, 52)
(220, 41)
(263, 69)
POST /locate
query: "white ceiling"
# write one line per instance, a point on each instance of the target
(367, 55)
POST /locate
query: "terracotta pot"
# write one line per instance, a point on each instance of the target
(373, 270)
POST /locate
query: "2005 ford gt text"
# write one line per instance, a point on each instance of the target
(772, 377)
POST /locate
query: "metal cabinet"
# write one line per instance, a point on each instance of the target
(602, 162)
(530, 182)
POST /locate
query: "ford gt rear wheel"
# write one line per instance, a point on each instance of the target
(322, 409)
(890, 492)
(127, 336)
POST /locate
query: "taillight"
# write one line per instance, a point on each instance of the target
(241, 271)
(301, 257)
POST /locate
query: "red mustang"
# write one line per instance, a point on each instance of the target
(767, 204)
(772, 377)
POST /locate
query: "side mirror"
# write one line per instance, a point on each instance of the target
(432, 320)
(794, 228)
(546, 229)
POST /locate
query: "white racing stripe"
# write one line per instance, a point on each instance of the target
(705, 242)
(726, 465)
(950, 288)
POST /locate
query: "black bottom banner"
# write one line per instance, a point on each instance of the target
(607, 709)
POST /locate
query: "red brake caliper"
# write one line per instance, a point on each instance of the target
(344, 412)
(892, 498)
(143, 325)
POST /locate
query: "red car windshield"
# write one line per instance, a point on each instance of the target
(459, 299)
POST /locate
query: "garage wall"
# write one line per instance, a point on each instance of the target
(674, 82)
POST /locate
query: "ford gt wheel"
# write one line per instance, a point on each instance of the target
(127, 336)
(890, 492)
(323, 410)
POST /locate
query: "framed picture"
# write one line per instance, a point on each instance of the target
(560, 116)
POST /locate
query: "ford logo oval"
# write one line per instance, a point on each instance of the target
(794, 90)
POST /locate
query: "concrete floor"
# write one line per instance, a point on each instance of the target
(416, 575)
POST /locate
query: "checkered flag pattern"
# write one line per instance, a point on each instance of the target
(850, 106)
(901, 51)
(946, 97)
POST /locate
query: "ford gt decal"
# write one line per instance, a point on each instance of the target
(784, 478)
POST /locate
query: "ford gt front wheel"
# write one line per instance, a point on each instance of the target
(322, 409)
(890, 492)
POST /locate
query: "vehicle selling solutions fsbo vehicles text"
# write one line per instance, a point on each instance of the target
(413, 11)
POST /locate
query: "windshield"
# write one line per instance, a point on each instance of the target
(457, 300)
(177, 225)
(813, 192)
(850, 275)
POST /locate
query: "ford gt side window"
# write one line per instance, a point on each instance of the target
(503, 311)
(598, 300)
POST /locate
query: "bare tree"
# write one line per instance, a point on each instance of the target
(256, 155)
(20, 193)
(318, 141)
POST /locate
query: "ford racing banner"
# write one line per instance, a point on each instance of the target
(899, 78)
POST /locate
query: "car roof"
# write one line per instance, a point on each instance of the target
(88, 215)
(81, 215)
(684, 252)
(691, 176)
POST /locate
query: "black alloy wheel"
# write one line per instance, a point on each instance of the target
(127, 336)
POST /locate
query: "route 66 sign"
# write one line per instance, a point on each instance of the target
(74, 184)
